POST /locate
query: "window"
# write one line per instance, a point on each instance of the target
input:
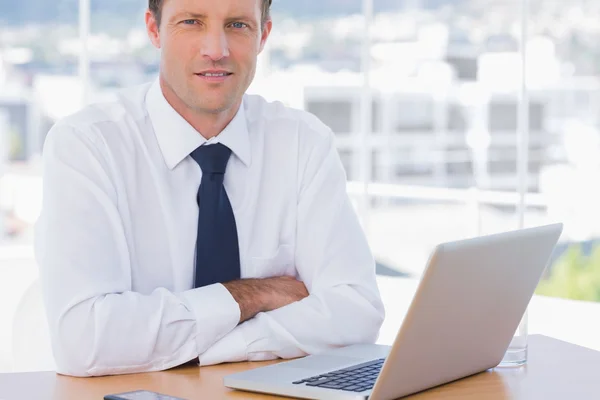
(444, 91)
(37, 39)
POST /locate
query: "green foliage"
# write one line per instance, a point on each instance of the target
(15, 144)
(574, 276)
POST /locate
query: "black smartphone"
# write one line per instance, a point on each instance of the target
(140, 395)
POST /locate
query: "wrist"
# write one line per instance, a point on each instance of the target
(250, 296)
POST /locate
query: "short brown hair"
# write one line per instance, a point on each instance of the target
(155, 7)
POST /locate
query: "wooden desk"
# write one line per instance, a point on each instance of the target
(556, 370)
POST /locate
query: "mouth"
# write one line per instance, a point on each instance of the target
(214, 76)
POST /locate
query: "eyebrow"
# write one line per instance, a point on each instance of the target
(192, 15)
(189, 15)
(244, 18)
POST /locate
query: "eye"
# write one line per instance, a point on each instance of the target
(239, 25)
(189, 22)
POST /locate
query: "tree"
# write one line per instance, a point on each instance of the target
(574, 276)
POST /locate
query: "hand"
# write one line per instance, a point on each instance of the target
(261, 295)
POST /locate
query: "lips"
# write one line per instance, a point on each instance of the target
(215, 74)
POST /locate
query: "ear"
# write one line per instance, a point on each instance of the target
(266, 31)
(152, 29)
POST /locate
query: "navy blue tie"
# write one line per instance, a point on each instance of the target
(217, 249)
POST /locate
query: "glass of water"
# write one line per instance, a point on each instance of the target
(516, 354)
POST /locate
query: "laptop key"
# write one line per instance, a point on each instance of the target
(356, 374)
(319, 382)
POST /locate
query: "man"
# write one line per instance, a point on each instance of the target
(188, 220)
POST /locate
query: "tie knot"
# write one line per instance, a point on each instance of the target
(212, 158)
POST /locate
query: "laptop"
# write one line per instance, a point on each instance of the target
(467, 307)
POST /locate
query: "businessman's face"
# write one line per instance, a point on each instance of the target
(209, 50)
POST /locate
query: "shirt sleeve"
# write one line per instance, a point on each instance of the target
(98, 325)
(334, 261)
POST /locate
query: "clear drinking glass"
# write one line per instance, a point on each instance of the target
(516, 354)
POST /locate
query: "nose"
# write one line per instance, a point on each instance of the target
(215, 45)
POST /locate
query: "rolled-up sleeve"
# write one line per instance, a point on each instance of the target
(98, 325)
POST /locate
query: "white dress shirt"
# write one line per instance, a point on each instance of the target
(116, 239)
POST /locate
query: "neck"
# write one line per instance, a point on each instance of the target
(208, 124)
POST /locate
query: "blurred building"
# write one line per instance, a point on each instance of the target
(451, 119)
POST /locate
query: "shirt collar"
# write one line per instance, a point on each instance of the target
(177, 138)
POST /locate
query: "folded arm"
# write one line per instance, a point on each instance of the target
(334, 262)
(98, 325)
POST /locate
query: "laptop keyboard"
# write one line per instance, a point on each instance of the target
(357, 378)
